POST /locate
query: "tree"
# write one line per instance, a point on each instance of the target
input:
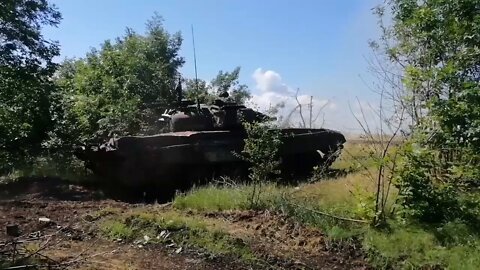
(121, 87)
(223, 82)
(22, 44)
(228, 82)
(26, 65)
(436, 44)
(198, 89)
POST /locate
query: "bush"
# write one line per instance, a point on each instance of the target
(421, 196)
(261, 151)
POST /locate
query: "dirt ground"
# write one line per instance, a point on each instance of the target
(55, 219)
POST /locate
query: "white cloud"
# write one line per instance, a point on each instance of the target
(269, 81)
(272, 91)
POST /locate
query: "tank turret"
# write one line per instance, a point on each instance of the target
(222, 114)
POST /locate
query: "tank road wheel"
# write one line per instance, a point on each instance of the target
(235, 171)
(159, 193)
(121, 192)
(300, 165)
(197, 175)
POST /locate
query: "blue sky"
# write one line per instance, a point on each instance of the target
(318, 46)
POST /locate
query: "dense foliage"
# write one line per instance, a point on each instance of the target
(25, 69)
(123, 86)
(119, 87)
(26, 66)
(224, 82)
(436, 44)
(228, 81)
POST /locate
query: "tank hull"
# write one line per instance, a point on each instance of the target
(176, 160)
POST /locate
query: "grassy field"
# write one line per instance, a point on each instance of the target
(343, 208)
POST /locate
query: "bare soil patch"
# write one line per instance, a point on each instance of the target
(278, 238)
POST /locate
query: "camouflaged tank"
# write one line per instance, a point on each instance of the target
(199, 143)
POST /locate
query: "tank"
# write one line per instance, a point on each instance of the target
(199, 143)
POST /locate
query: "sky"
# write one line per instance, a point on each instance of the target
(317, 46)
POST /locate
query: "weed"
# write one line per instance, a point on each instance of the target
(452, 245)
(218, 242)
(186, 231)
(105, 212)
(355, 157)
(62, 166)
(306, 213)
(456, 233)
(261, 151)
(116, 229)
(410, 247)
(213, 198)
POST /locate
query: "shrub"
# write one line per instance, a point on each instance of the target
(261, 151)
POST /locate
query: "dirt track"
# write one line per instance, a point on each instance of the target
(72, 240)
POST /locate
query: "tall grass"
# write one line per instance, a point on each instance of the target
(212, 198)
(220, 198)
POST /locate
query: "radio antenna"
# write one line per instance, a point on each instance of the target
(195, 60)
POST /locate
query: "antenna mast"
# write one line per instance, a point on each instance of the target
(195, 60)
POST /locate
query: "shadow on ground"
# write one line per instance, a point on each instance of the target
(56, 188)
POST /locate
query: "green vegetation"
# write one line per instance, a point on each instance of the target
(402, 246)
(117, 88)
(183, 231)
(213, 198)
(26, 64)
(48, 165)
(355, 157)
(217, 198)
(435, 45)
(331, 196)
(115, 229)
(413, 247)
(261, 151)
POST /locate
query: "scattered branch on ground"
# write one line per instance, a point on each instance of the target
(16, 253)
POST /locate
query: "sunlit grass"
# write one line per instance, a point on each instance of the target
(213, 198)
(356, 156)
(219, 198)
